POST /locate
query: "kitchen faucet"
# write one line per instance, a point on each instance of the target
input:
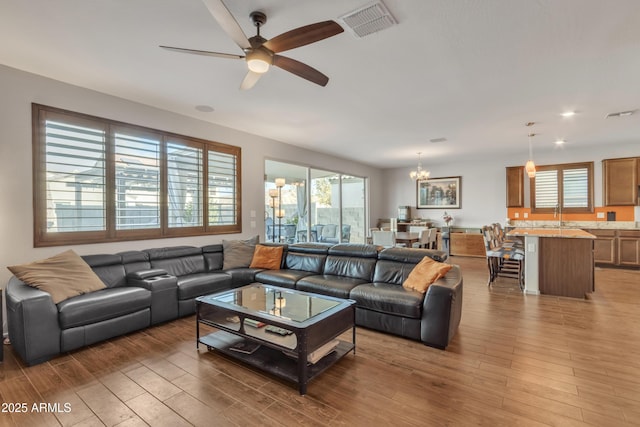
(557, 213)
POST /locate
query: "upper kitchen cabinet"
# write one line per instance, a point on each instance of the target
(515, 187)
(621, 180)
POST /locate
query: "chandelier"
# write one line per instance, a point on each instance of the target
(419, 173)
(530, 167)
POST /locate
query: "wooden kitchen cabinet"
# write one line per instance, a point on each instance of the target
(629, 248)
(620, 181)
(515, 187)
(619, 248)
(605, 246)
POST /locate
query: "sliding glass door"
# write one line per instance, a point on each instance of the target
(331, 209)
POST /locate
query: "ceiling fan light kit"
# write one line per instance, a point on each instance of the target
(259, 61)
(261, 53)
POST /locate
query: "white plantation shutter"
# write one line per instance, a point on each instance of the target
(222, 170)
(546, 189)
(184, 176)
(137, 160)
(75, 177)
(575, 188)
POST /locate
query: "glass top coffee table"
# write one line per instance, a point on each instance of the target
(288, 333)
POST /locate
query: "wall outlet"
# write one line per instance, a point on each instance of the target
(600, 215)
(531, 247)
(517, 214)
(526, 215)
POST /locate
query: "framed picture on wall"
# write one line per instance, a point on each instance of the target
(438, 193)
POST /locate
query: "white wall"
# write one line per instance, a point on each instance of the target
(20, 89)
(483, 193)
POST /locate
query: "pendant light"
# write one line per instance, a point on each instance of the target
(530, 167)
(419, 173)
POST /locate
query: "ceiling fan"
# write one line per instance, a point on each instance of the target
(261, 53)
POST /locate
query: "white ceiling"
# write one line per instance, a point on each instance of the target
(472, 71)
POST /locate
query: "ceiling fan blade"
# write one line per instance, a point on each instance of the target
(227, 22)
(303, 36)
(300, 69)
(250, 80)
(203, 52)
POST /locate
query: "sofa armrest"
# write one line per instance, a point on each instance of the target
(164, 293)
(442, 310)
(145, 274)
(32, 320)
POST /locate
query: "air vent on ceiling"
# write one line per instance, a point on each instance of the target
(368, 19)
(620, 114)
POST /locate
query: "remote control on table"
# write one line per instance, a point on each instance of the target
(277, 330)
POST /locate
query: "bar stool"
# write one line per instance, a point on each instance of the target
(505, 260)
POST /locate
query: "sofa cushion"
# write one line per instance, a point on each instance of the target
(326, 284)
(195, 285)
(425, 273)
(285, 278)
(63, 276)
(178, 260)
(102, 305)
(243, 275)
(389, 299)
(108, 268)
(267, 257)
(350, 266)
(213, 256)
(238, 253)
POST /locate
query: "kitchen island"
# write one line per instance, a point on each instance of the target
(558, 261)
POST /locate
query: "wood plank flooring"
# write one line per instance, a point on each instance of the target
(516, 360)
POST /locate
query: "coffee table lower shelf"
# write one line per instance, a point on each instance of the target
(275, 361)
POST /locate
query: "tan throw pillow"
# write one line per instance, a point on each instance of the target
(267, 257)
(424, 274)
(238, 253)
(63, 276)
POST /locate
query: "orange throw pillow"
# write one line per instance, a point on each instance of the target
(268, 257)
(424, 274)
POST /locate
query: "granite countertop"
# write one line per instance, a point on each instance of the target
(572, 233)
(604, 225)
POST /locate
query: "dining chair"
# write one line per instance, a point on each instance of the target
(383, 238)
(425, 238)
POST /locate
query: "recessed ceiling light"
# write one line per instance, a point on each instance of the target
(568, 114)
(204, 108)
(560, 141)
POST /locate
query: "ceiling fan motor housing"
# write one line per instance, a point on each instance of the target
(258, 18)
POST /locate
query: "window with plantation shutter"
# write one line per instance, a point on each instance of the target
(137, 165)
(184, 175)
(566, 186)
(222, 174)
(74, 165)
(97, 180)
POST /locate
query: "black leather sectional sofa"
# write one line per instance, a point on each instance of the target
(148, 287)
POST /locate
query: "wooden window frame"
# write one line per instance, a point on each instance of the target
(560, 168)
(44, 238)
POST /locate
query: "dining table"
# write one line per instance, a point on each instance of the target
(407, 237)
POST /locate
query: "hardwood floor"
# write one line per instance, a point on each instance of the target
(516, 360)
